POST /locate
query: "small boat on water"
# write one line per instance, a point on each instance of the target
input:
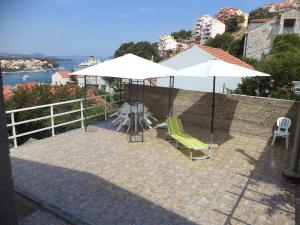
(25, 77)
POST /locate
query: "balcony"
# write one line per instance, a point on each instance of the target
(97, 177)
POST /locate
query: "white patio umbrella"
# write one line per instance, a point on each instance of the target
(129, 67)
(218, 68)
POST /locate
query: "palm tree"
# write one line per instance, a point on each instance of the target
(8, 214)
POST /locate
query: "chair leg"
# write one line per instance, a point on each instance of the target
(191, 154)
(287, 142)
(128, 128)
(166, 135)
(115, 121)
(273, 141)
(119, 127)
(209, 152)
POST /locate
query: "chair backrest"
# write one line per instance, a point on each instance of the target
(283, 124)
(125, 108)
(174, 125)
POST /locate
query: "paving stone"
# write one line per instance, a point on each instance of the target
(41, 217)
(100, 178)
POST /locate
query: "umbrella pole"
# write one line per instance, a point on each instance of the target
(213, 112)
(130, 103)
(171, 90)
(169, 102)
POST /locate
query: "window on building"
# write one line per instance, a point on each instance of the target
(103, 87)
(289, 23)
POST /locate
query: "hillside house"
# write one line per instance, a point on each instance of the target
(260, 36)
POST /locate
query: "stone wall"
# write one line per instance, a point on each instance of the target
(234, 114)
(260, 39)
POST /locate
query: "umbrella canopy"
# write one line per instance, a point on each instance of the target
(218, 68)
(128, 66)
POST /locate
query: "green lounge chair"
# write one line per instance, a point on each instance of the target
(176, 131)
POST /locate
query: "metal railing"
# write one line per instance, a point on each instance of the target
(53, 115)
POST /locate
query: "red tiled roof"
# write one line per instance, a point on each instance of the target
(260, 20)
(8, 92)
(272, 4)
(222, 55)
(29, 85)
(64, 74)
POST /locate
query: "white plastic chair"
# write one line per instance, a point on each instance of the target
(283, 125)
(123, 120)
(122, 116)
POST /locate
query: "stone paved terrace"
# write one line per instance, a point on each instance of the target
(99, 178)
(41, 217)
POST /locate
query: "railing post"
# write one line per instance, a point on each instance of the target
(52, 120)
(12, 116)
(105, 108)
(81, 114)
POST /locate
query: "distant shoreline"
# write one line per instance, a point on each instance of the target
(31, 71)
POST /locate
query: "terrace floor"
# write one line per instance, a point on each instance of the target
(97, 177)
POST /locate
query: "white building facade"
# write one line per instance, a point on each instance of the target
(63, 77)
(166, 45)
(207, 27)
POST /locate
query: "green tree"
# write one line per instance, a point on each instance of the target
(286, 43)
(284, 67)
(182, 35)
(143, 49)
(261, 13)
(237, 47)
(41, 95)
(46, 94)
(228, 43)
(232, 24)
(222, 41)
(74, 79)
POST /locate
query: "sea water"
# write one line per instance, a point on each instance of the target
(41, 76)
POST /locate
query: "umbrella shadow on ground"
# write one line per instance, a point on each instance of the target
(267, 170)
(83, 198)
(196, 118)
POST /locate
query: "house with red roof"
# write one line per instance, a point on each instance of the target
(283, 6)
(199, 54)
(226, 13)
(257, 22)
(63, 77)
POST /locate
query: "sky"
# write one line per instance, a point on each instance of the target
(98, 27)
